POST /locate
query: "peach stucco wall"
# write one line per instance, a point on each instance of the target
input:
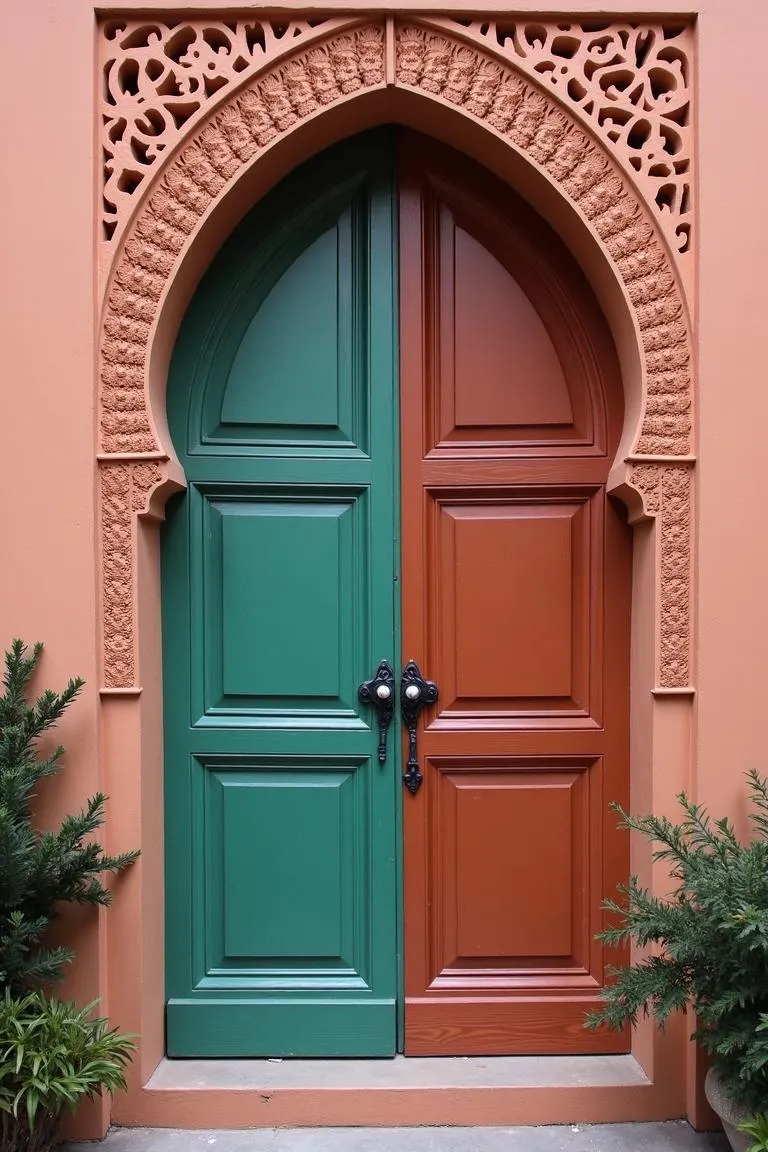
(49, 257)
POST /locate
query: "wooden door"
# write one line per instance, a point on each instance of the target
(279, 568)
(516, 602)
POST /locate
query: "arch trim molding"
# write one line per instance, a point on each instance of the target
(136, 468)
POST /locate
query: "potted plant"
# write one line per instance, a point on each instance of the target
(52, 1053)
(705, 945)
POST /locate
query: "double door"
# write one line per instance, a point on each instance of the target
(395, 401)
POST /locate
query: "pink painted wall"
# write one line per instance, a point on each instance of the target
(47, 329)
(47, 575)
(732, 672)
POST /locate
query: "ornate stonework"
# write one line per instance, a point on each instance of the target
(667, 492)
(446, 67)
(630, 82)
(125, 491)
(158, 79)
(676, 522)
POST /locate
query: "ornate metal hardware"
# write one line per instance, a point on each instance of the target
(415, 693)
(380, 692)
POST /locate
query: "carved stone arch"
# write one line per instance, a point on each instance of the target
(655, 478)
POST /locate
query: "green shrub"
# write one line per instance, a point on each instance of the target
(711, 935)
(40, 871)
(52, 1055)
(757, 1128)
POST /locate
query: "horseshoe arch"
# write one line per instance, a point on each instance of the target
(421, 60)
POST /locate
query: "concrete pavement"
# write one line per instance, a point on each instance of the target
(672, 1137)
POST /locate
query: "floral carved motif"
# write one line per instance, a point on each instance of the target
(125, 489)
(667, 493)
(448, 69)
(159, 77)
(631, 83)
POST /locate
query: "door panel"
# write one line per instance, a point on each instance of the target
(515, 601)
(507, 368)
(495, 821)
(292, 651)
(509, 580)
(500, 383)
(279, 568)
(308, 293)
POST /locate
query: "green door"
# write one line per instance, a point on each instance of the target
(279, 570)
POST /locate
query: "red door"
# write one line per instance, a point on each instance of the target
(516, 584)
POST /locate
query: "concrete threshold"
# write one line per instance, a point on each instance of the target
(452, 1072)
(415, 1092)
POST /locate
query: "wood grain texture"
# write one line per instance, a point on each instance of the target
(510, 583)
(516, 601)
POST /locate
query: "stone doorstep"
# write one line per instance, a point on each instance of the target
(418, 1092)
(401, 1072)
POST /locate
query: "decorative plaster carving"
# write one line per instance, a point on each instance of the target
(675, 591)
(158, 78)
(117, 575)
(667, 493)
(125, 490)
(644, 478)
(444, 68)
(275, 103)
(630, 82)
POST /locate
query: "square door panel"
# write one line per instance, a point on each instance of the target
(284, 893)
(283, 581)
(511, 845)
(511, 585)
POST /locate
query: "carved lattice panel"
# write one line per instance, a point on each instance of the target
(159, 77)
(632, 82)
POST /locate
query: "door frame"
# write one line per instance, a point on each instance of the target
(150, 275)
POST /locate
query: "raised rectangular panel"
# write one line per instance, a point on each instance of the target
(284, 579)
(507, 372)
(278, 899)
(511, 845)
(513, 597)
(286, 888)
(503, 368)
(293, 372)
(511, 577)
(269, 377)
(281, 599)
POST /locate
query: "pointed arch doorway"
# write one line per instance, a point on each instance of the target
(396, 403)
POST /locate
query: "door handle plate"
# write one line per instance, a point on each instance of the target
(415, 694)
(379, 691)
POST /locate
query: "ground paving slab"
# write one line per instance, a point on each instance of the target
(676, 1136)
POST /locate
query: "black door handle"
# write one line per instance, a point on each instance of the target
(380, 692)
(415, 693)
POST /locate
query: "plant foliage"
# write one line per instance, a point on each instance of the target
(707, 941)
(757, 1128)
(39, 871)
(52, 1055)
